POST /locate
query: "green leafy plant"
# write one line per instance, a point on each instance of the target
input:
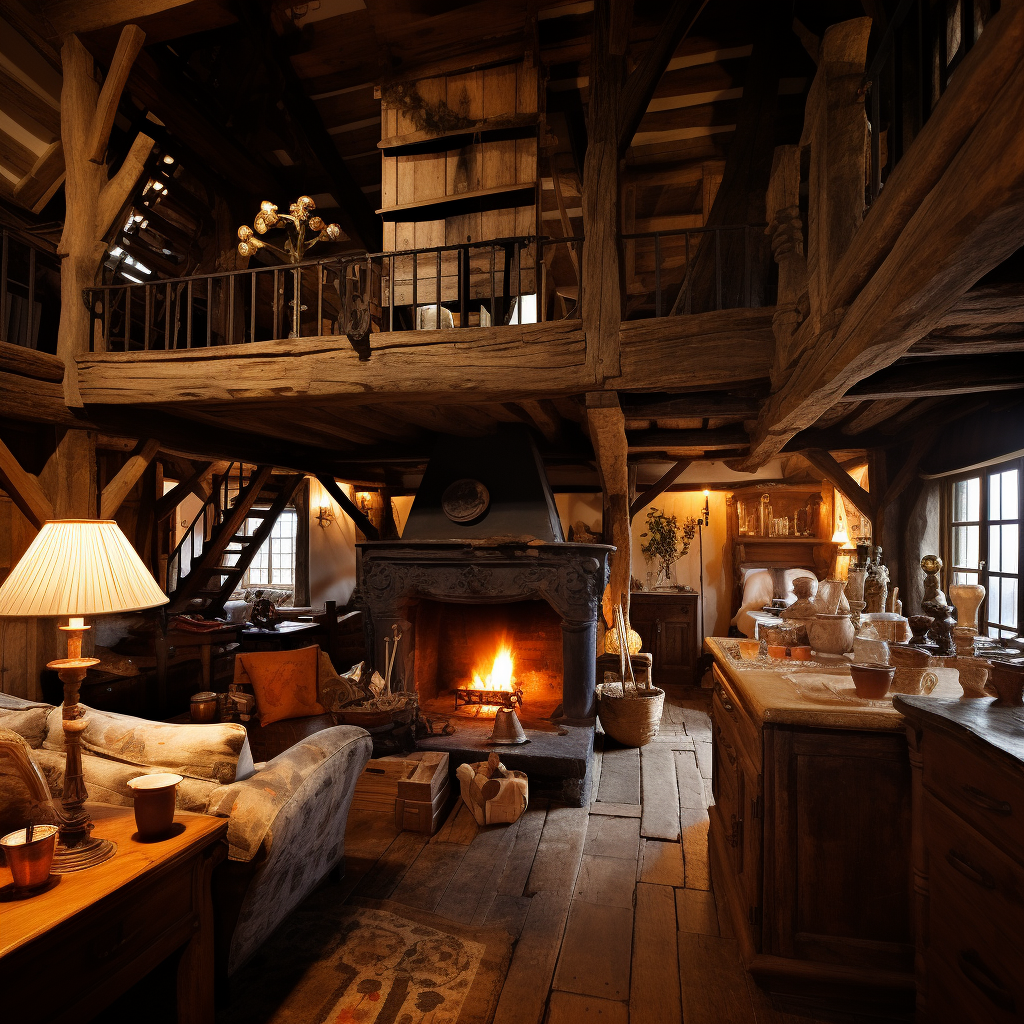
(666, 541)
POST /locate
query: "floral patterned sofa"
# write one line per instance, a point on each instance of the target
(286, 818)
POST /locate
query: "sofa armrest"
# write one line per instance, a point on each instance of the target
(292, 814)
(333, 758)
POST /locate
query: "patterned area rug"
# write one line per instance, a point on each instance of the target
(368, 962)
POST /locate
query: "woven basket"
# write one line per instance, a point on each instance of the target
(632, 720)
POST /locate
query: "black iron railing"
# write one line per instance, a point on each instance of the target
(29, 293)
(675, 265)
(466, 284)
(922, 47)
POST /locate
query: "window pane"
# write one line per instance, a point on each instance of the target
(1010, 534)
(993, 497)
(965, 546)
(993, 599)
(1009, 488)
(1008, 606)
(965, 577)
(994, 556)
(966, 500)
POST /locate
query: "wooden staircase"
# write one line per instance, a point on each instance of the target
(221, 553)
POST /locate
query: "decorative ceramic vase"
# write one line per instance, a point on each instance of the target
(967, 597)
(963, 640)
(974, 673)
(1008, 681)
(831, 634)
(830, 593)
(855, 583)
(913, 671)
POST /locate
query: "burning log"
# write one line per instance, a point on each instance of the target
(470, 695)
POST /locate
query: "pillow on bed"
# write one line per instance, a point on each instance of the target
(757, 589)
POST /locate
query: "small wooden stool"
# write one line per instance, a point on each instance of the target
(641, 663)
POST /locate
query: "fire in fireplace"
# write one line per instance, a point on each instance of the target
(495, 689)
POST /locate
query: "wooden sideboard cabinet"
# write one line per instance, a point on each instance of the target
(810, 840)
(968, 764)
(668, 625)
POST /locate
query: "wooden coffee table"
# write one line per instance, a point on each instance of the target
(71, 950)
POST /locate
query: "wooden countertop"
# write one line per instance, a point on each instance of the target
(818, 694)
(1002, 728)
(24, 919)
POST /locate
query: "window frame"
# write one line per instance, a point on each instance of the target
(246, 581)
(984, 524)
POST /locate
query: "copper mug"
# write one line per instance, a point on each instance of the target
(203, 706)
(154, 803)
(30, 859)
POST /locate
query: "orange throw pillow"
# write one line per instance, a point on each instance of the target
(284, 683)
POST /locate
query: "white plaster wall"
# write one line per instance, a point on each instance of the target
(332, 550)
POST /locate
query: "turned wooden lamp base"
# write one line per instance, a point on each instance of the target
(77, 848)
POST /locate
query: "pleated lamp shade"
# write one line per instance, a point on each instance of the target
(79, 567)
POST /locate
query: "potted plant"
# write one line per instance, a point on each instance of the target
(666, 541)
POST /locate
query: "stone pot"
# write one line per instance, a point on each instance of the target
(913, 670)
(831, 634)
(967, 598)
(974, 673)
(1008, 681)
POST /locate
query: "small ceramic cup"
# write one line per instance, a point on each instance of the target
(778, 652)
(872, 682)
(749, 649)
(800, 653)
(30, 861)
(154, 803)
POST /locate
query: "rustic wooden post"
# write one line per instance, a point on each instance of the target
(607, 427)
(601, 273)
(782, 207)
(93, 200)
(836, 130)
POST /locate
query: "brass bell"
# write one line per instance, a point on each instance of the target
(507, 728)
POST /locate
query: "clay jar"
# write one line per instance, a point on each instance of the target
(974, 674)
(1008, 681)
(967, 598)
(831, 634)
(154, 803)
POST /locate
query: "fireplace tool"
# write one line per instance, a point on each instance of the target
(507, 728)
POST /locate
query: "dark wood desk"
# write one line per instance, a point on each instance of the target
(70, 951)
(288, 636)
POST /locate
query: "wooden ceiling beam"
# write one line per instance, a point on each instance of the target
(873, 414)
(642, 500)
(24, 489)
(827, 466)
(706, 440)
(643, 80)
(117, 489)
(699, 404)
(357, 516)
(935, 259)
(919, 379)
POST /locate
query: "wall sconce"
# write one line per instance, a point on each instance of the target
(324, 516)
(707, 508)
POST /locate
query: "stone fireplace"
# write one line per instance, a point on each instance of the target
(463, 596)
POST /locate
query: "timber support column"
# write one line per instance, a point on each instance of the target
(607, 426)
(601, 284)
(93, 200)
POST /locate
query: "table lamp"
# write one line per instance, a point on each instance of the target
(75, 568)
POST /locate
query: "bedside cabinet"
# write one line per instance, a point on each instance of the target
(668, 625)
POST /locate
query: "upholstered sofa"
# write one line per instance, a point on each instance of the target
(286, 818)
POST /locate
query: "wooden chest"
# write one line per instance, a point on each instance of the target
(968, 759)
(414, 788)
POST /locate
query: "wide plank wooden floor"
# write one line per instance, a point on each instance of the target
(611, 905)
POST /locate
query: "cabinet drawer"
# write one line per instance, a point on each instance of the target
(987, 798)
(949, 998)
(735, 726)
(959, 859)
(977, 958)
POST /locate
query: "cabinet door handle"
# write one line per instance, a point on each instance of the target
(975, 971)
(986, 802)
(657, 622)
(968, 870)
(736, 831)
(724, 699)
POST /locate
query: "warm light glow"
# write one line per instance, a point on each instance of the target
(76, 622)
(500, 676)
(707, 493)
(840, 537)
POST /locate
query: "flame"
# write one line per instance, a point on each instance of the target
(500, 676)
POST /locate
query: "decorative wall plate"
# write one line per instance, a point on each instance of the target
(465, 500)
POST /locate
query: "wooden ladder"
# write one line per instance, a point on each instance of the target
(228, 553)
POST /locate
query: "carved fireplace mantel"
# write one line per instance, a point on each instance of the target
(570, 577)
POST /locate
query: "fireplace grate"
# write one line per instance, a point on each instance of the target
(472, 695)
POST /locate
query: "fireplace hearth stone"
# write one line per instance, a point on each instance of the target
(558, 766)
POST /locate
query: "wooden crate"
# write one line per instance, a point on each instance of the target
(424, 816)
(418, 777)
